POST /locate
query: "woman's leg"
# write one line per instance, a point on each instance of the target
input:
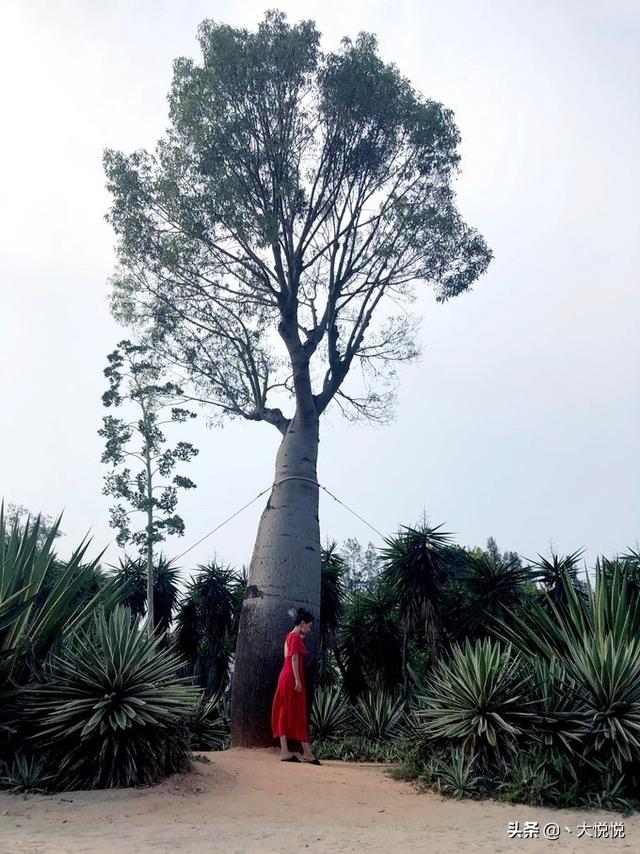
(307, 755)
(285, 753)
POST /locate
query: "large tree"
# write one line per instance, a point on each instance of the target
(269, 245)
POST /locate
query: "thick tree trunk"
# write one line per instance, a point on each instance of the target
(284, 574)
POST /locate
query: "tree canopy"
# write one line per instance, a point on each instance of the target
(272, 240)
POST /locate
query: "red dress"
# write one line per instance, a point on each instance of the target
(289, 710)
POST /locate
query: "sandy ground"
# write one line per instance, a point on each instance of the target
(248, 801)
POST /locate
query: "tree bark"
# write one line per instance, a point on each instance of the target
(284, 573)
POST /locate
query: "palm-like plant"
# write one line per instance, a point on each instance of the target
(207, 622)
(549, 630)
(370, 641)
(132, 576)
(165, 592)
(477, 700)
(333, 568)
(607, 679)
(415, 570)
(495, 587)
(110, 711)
(555, 573)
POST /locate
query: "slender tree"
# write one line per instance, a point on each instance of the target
(135, 375)
(269, 246)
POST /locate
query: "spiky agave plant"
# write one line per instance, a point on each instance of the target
(607, 679)
(208, 723)
(329, 713)
(41, 599)
(477, 700)
(559, 712)
(379, 715)
(110, 711)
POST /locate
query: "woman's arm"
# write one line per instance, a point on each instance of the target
(295, 664)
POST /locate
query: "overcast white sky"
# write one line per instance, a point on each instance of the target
(521, 419)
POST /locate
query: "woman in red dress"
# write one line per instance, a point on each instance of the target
(289, 710)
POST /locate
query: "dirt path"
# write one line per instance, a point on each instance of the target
(247, 801)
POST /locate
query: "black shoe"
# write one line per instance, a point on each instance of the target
(292, 758)
(311, 761)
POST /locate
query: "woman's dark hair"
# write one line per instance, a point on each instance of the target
(301, 615)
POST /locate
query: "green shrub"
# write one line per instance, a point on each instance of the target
(110, 711)
(477, 700)
(354, 748)
(208, 724)
(527, 779)
(455, 775)
(379, 715)
(329, 714)
(25, 775)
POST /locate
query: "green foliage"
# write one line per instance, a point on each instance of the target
(415, 569)
(208, 724)
(477, 700)
(329, 714)
(25, 775)
(132, 577)
(494, 587)
(332, 589)
(109, 711)
(527, 779)
(135, 377)
(379, 716)
(355, 748)
(207, 624)
(370, 642)
(454, 775)
(556, 573)
(558, 717)
(40, 598)
(276, 152)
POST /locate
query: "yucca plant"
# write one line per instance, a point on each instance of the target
(558, 710)
(329, 714)
(332, 591)
(25, 775)
(208, 723)
(455, 776)
(415, 570)
(606, 675)
(527, 779)
(357, 748)
(110, 711)
(29, 624)
(132, 576)
(610, 606)
(206, 624)
(556, 573)
(494, 587)
(477, 700)
(379, 715)
(370, 641)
